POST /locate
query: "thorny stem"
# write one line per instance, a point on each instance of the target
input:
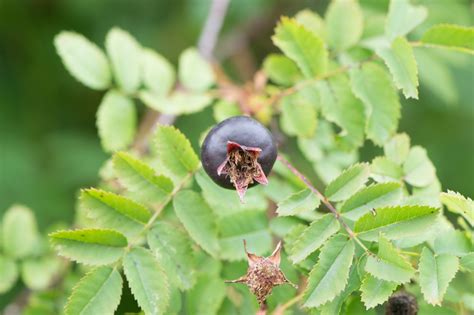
(324, 200)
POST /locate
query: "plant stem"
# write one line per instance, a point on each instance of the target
(324, 200)
(280, 310)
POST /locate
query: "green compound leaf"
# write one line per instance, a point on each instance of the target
(8, 273)
(403, 17)
(195, 73)
(396, 222)
(457, 203)
(302, 46)
(384, 170)
(84, 60)
(141, 179)
(177, 103)
(339, 105)
(206, 297)
(348, 182)
(174, 252)
(418, 169)
(375, 291)
(90, 246)
(198, 220)
(401, 62)
(456, 37)
(467, 262)
(174, 153)
(435, 274)
(397, 148)
(125, 55)
(38, 273)
(299, 202)
(223, 109)
(19, 232)
(108, 210)
(147, 280)
(311, 21)
(298, 116)
(116, 121)
(344, 24)
(453, 242)
(98, 292)
(371, 197)
(158, 73)
(330, 275)
(251, 226)
(389, 265)
(372, 84)
(281, 69)
(313, 237)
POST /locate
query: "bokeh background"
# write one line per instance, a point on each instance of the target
(48, 143)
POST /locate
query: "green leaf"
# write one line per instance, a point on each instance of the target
(158, 74)
(401, 62)
(246, 225)
(281, 69)
(339, 105)
(418, 169)
(330, 275)
(457, 203)
(467, 262)
(460, 38)
(98, 292)
(8, 273)
(206, 296)
(174, 252)
(302, 46)
(20, 233)
(403, 17)
(147, 280)
(223, 109)
(372, 84)
(299, 202)
(452, 242)
(344, 24)
(217, 196)
(397, 148)
(435, 274)
(198, 219)
(177, 103)
(195, 73)
(90, 246)
(384, 170)
(371, 197)
(116, 121)
(141, 179)
(174, 153)
(389, 264)
(348, 182)
(334, 306)
(396, 222)
(125, 55)
(84, 60)
(298, 116)
(313, 237)
(375, 291)
(113, 211)
(312, 22)
(39, 273)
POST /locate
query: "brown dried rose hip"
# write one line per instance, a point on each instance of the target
(239, 153)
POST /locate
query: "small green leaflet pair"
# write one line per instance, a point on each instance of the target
(131, 71)
(119, 225)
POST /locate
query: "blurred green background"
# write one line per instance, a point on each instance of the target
(48, 143)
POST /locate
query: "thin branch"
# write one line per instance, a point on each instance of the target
(280, 310)
(215, 18)
(324, 200)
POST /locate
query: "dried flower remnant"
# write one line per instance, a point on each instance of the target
(242, 166)
(263, 274)
(401, 303)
